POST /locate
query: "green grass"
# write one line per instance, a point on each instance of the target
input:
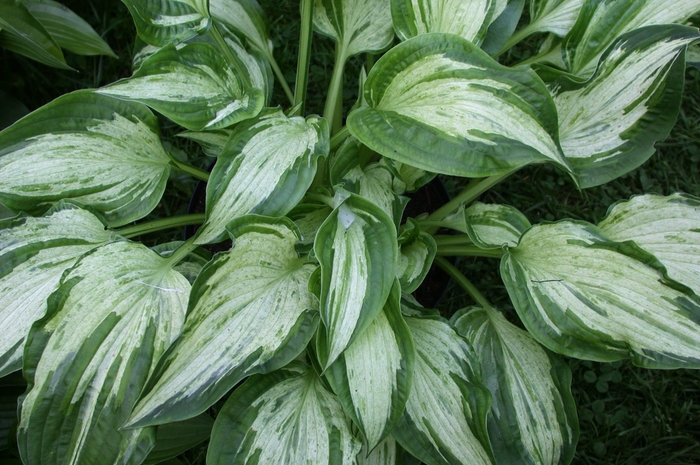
(628, 415)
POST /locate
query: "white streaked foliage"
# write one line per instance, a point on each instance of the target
(193, 86)
(163, 22)
(601, 22)
(285, 417)
(533, 415)
(34, 253)
(417, 251)
(445, 418)
(466, 18)
(609, 125)
(667, 227)
(250, 312)
(555, 16)
(373, 375)
(108, 157)
(436, 102)
(86, 362)
(265, 168)
(491, 226)
(357, 25)
(357, 250)
(583, 295)
(246, 18)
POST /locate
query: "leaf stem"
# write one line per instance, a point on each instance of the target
(182, 251)
(307, 15)
(280, 78)
(463, 282)
(515, 39)
(160, 225)
(448, 239)
(189, 169)
(335, 89)
(339, 137)
(468, 251)
(474, 189)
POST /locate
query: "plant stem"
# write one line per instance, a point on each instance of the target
(324, 199)
(336, 88)
(307, 13)
(468, 251)
(230, 56)
(339, 137)
(514, 39)
(182, 251)
(474, 189)
(189, 169)
(280, 78)
(159, 225)
(459, 239)
(463, 282)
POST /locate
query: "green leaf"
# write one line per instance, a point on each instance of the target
(246, 18)
(250, 312)
(490, 226)
(309, 218)
(445, 418)
(666, 227)
(34, 253)
(356, 247)
(172, 439)
(86, 362)
(469, 19)
(194, 86)
(22, 33)
(212, 142)
(372, 377)
(583, 295)
(286, 417)
(68, 29)
(416, 253)
(439, 103)
(533, 416)
(609, 125)
(554, 16)
(356, 25)
(102, 152)
(505, 18)
(265, 168)
(163, 22)
(601, 22)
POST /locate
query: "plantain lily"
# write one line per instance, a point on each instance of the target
(303, 333)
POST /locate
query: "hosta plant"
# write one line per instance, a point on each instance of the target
(302, 338)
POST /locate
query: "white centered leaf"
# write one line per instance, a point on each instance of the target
(163, 22)
(102, 152)
(491, 226)
(285, 417)
(251, 312)
(666, 227)
(87, 361)
(583, 295)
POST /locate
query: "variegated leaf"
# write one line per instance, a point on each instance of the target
(413, 178)
(100, 151)
(583, 295)
(445, 418)
(265, 168)
(388, 452)
(555, 16)
(245, 17)
(356, 247)
(376, 183)
(609, 125)
(504, 19)
(533, 415)
(309, 218)
(666, 227)
(34, 253)
(490, 226)
(286, 417)
(163, 22)
(250, 312)
(356, 25)
(439, 103)
(193, 86)
(212, 142)
(373, 376)
(466, 18)
(87, 361)
(189, 266)
(254, 64)
(600, 23)
(68, 29)
(417, 251)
